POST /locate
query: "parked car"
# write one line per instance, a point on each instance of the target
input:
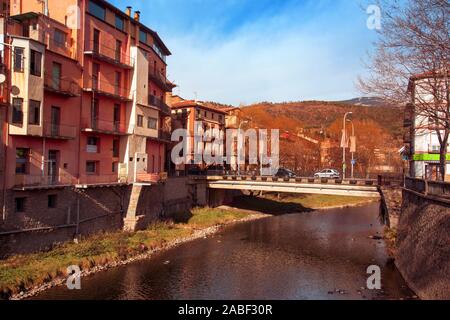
(328, 173)
(285, 173)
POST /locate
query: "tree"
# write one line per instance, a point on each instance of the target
(413, 52)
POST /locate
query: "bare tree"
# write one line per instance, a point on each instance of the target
(413, 52)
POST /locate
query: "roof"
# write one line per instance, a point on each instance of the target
(124, 15)
(195, 104)
(425, 75)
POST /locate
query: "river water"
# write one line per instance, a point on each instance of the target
(314, 255)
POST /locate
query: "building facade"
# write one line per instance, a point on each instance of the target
(84, 99)
(421, 138)
(186, 114)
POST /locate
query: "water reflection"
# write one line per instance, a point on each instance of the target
(301, 256)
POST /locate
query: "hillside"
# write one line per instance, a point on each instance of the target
(319, 114)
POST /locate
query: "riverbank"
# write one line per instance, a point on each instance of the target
(27, 275)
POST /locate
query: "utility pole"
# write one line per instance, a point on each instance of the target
(353, 147)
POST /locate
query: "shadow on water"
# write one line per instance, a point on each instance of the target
(268, 206)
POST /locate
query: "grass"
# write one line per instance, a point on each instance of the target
(319, 201)
(23, 272)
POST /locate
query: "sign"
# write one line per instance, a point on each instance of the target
(353, 162)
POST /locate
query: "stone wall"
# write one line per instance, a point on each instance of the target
(423, 245)
(82, 212)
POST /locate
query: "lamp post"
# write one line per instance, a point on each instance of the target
(239, 149)
(344, 144)
(351, 150)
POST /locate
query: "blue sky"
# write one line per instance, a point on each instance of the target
(246, 51)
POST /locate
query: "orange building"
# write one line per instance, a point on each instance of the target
(184, 115)
(86, 92)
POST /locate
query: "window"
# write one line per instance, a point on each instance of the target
(91, 167)
(56, 76)
(96, 10)
(20, 204)
(115, 165)
(22, 159)
(140, 120)
(60, 38)
(18, 59)
(35, 63)
(119, 23)
(17, 113)
(92, 144)
(117, 83)
(152, 123)
(220, 118)
(51, 200)
(142, 36)
(34, 109)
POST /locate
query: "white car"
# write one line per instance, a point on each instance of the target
(328, 173)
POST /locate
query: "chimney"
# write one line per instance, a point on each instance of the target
(128, 11)
(137, 15)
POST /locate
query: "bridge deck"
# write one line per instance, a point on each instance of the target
(360, 188)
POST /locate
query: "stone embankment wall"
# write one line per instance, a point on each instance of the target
(83, 212)
(423, 245)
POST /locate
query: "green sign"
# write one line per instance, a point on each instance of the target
(429, 157)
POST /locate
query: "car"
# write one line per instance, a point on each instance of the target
(328, 174)
(285, 173)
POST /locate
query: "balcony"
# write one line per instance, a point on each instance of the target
(106, 89)
(161, 105)
(23, 182)
(103, 126)
(58, 131)
(63, 87)
(110, 55)
(161, 80)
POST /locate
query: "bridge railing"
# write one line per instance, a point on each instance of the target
(427, 187)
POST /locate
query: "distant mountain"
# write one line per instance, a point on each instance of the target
(367, 102)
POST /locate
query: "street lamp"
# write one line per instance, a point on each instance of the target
(344, 144)
(351, 147)
(239, 149)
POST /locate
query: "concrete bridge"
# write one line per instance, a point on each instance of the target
(357, 188)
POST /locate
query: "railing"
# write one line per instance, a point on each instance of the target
(94, 124)
(106, 88)
(391, 180)
(162, 106)
(434, 149)
(52, 130)
(105, 52)
(62, 86)
(160, 79)
(433, 188)
(100, 179)
(43, 180)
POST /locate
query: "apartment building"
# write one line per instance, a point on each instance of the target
(185, 114)
(421, 139)
(86, 93)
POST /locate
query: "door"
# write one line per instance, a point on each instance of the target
(116, 117)
(96, 41)
(118, 50)
(53, 166)
(56, 76)
(95, 75)
(55, 121)
(117, 83)
(94, 114)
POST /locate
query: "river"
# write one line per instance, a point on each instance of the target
(314, 255)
